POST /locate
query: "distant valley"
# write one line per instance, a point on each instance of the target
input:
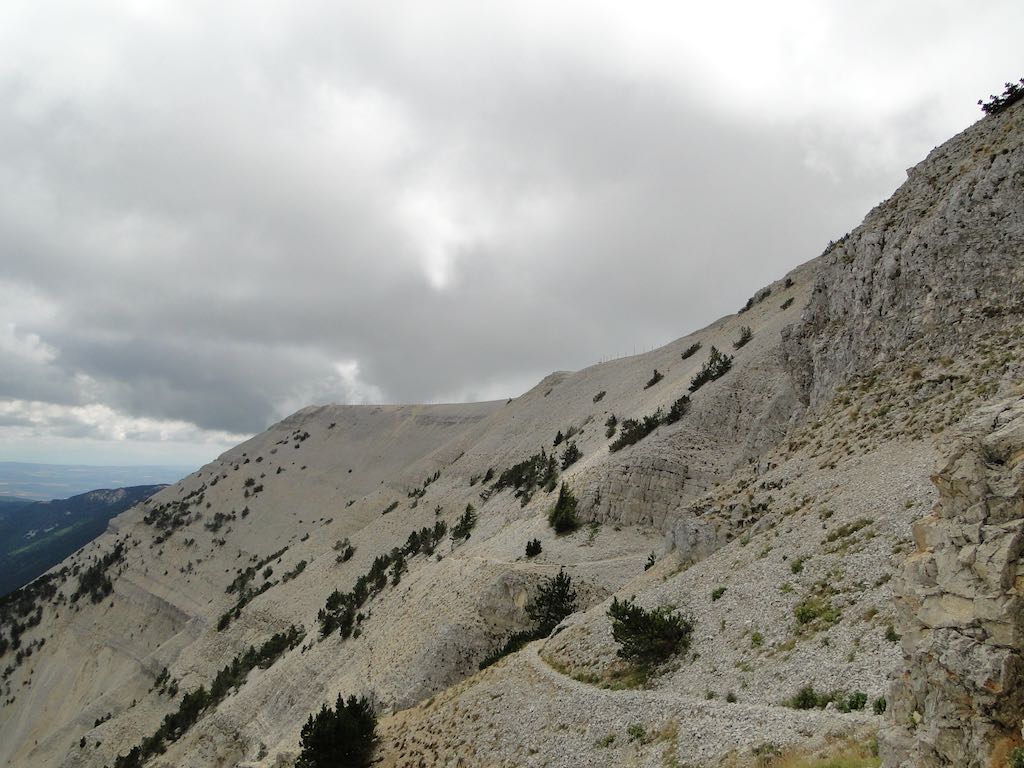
(36, 535)
(42, 482)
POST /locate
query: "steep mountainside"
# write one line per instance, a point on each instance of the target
(778, 510)
(36, 536)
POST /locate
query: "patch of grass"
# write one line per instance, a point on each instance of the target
(847, 755)
(848, 530)
(816, 611)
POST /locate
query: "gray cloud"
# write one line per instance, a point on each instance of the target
(213, 220)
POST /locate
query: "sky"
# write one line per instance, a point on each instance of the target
(217, 213)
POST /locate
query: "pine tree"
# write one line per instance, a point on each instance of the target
(465, 524)
(398, 567)
(649, 637)
(342, 737)
(555, 600)
(571, 456)
(563, 515)
(716, 367)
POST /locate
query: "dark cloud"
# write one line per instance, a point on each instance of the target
(210, 221)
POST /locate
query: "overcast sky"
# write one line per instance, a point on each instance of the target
(216, 213)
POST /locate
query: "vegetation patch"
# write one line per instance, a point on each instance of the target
(848, 529)
(563, 517)
(690, 351)
(341, 610)
(194, 703)
(808, 698)
(996, 104)
(716, 367)
(94, 581)
(555, 599)
(538, 471)
(649, 637)
(342, 736)
(465, 524)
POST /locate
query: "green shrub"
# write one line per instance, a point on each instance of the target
(559, 437)
(651, 560)
(571, 456)
(716, 367)
(745, 336)
(343, 736)
(465, 524)
(611, 424)
(678, 409)
(599, 396)
(634, 431)
(717, 593)
(533, 548)
(562, 516)
(997, 104)
(398, 567)
(787, 303)
(853, 702)
(555, 599)
(649, 636)
(636, 732)
(848, 530)
(879, 707)
(808, 698)
(538, 471)
(299, 568)
(816, 609)
(655, 378)
(891, 634)
(690, 351)
(1016, 758)
(195, 702)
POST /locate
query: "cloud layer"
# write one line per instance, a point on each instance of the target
(217, 214)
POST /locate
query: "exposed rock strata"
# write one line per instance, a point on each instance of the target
(959, 698)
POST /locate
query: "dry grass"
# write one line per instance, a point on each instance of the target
(850, 753)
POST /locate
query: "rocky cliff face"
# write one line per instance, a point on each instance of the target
(958, 699)
(931, 268)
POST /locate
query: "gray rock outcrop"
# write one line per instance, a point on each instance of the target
(959, 698)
